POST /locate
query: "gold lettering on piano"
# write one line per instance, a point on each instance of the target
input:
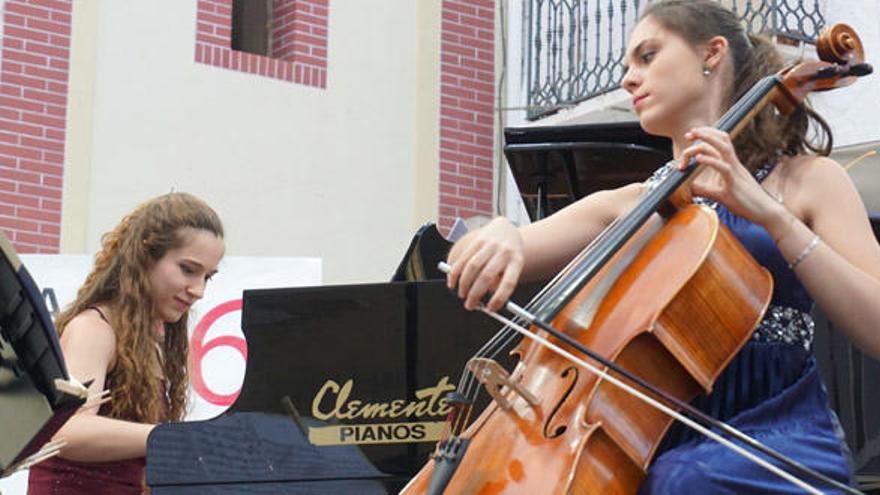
(376, 433)
(335, 402)
(430, 402)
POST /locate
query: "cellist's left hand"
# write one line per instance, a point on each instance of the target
(725, 179)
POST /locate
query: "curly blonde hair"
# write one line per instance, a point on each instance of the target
(120, 281)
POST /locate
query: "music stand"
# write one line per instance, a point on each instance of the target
(37, 395)
(419, 262)
(556, 165)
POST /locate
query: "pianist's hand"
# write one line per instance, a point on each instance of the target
(487, 260)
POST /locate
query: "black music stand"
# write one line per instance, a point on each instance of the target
(36, 393)
(556, 165)
(419, 262)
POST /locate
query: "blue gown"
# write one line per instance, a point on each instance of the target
(771, 391)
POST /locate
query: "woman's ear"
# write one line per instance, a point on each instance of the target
(715, 50)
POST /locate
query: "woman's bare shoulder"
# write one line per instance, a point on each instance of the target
(805, 167)
(88, 333)
(811, 171)
(811, 180)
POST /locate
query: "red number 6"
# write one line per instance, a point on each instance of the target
(198, 349)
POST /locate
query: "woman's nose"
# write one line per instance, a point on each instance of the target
(196, 290)
(629, 82)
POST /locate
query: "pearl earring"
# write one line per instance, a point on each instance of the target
(706, 71)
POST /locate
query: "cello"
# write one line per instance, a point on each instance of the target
(652, 333)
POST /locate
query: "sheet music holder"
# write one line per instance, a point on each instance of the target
(556, 165)
(419, 261)
(36, 393)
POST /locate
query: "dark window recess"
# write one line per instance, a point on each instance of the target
(252, 26)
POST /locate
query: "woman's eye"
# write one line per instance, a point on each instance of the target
(647, 57)
(187, 270)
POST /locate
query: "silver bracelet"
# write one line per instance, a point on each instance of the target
(806, 252)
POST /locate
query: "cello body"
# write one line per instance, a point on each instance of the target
(673, 307)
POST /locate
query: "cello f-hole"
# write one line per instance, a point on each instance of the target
(571, 373)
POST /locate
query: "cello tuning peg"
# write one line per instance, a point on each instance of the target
(860, 70)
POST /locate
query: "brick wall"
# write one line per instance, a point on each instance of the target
(34, 66)
(467, 93)
(299, 31)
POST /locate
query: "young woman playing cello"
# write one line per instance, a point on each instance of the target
(687, 62)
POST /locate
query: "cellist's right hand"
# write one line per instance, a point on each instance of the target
(488, 260)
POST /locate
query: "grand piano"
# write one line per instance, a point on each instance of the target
(344, 392)
(344, 388)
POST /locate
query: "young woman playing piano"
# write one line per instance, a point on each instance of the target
(127, 332)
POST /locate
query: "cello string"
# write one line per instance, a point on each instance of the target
(505, 335)
(468, 386)
(652, 402)
(697, 414)
(590, 257)
(629, 221)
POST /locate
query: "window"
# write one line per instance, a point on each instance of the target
(281, 39)
(252, 26)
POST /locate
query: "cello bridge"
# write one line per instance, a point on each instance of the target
(494, 377)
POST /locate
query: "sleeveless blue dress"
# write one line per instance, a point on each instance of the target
(771, 391)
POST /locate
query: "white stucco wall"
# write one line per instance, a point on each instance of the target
(293, 170)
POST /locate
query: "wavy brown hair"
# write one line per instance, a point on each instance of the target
(120, 281)
(769, 134)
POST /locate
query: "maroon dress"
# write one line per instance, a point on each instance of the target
(57, 476)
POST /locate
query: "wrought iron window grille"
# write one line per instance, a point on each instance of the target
(575, 48)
